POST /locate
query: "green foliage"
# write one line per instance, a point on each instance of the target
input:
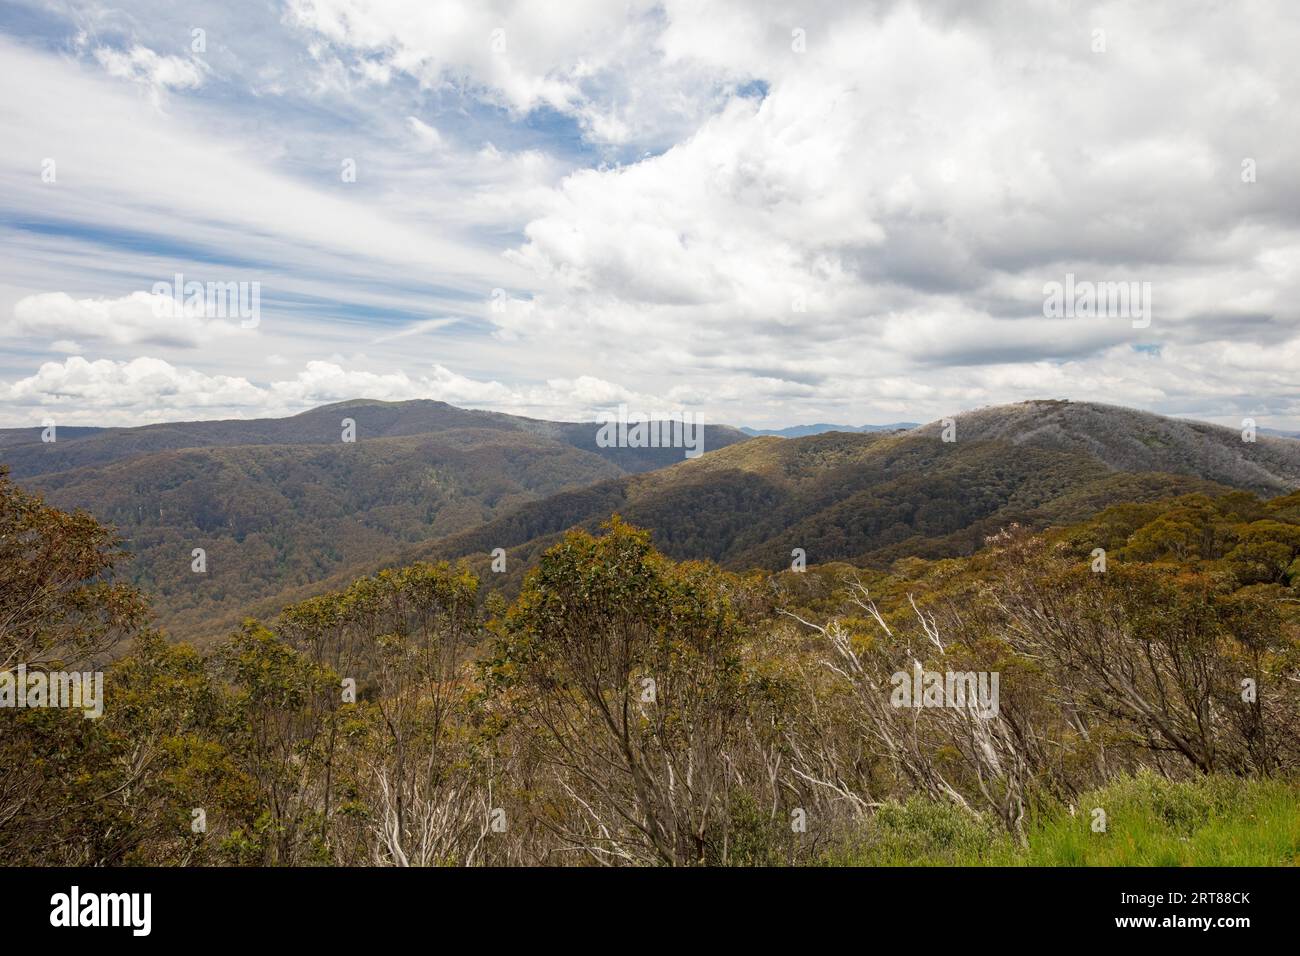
(1252, 541)
(864, 499)
(627, 668)
(57, 602)
(628, 708)
(919, 832)
(1150, 821)
(281, 505)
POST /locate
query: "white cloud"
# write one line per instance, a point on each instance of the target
(134, 392)
(599, 62)
(200, 179)
(141, 318)
(416, 328)
(145, 389)
(581, 399)
(142, 65)
(912, 179)
(426, 137)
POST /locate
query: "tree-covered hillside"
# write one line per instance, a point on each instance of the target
(26, 453)
(278, 504)
(866, 499)
(281, 521)
(1134, 681)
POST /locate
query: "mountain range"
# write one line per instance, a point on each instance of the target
(802, 431)
(285, 507)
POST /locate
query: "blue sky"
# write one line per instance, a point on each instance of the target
(845, 213)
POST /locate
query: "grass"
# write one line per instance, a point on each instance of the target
(1149, 821)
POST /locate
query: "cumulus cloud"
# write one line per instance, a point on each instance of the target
(141, 318)
(134, 392)
(898, 200)
(583, 399)
(598, 62)
(836, 211)
(105, 391)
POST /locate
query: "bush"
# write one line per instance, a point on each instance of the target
(921, 832)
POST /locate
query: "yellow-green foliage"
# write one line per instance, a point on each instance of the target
(1150, 821)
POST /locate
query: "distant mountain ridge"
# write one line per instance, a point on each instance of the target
(1126, 439)
(283, 508)
(872, 498)
(25, 454)
(280, 503)
(802, 431)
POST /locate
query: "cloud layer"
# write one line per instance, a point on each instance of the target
(849, 212)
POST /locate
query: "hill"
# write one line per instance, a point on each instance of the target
(801, 431)
(277, 504)
(1059, 693)
(283, 509)
(870, 499)
(76, 447)
(1126, 439)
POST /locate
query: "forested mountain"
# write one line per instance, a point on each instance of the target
(801, 431)
(26, 454)
(1130, 440)
(625, 709)
(437, 713)
(281, 503)
(869, 499)
(283, 508)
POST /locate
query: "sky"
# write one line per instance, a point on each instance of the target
(757, 213)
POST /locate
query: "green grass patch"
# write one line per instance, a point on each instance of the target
(1149, 821)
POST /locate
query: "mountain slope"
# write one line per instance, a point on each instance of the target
(1126, 439)
(871, 498)
(839, 497)
(281, 521)
(801, 431)
(25, 454)
(281, 503)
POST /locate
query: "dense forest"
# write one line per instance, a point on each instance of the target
(283, 509)
(625, 708)
(282, 503)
